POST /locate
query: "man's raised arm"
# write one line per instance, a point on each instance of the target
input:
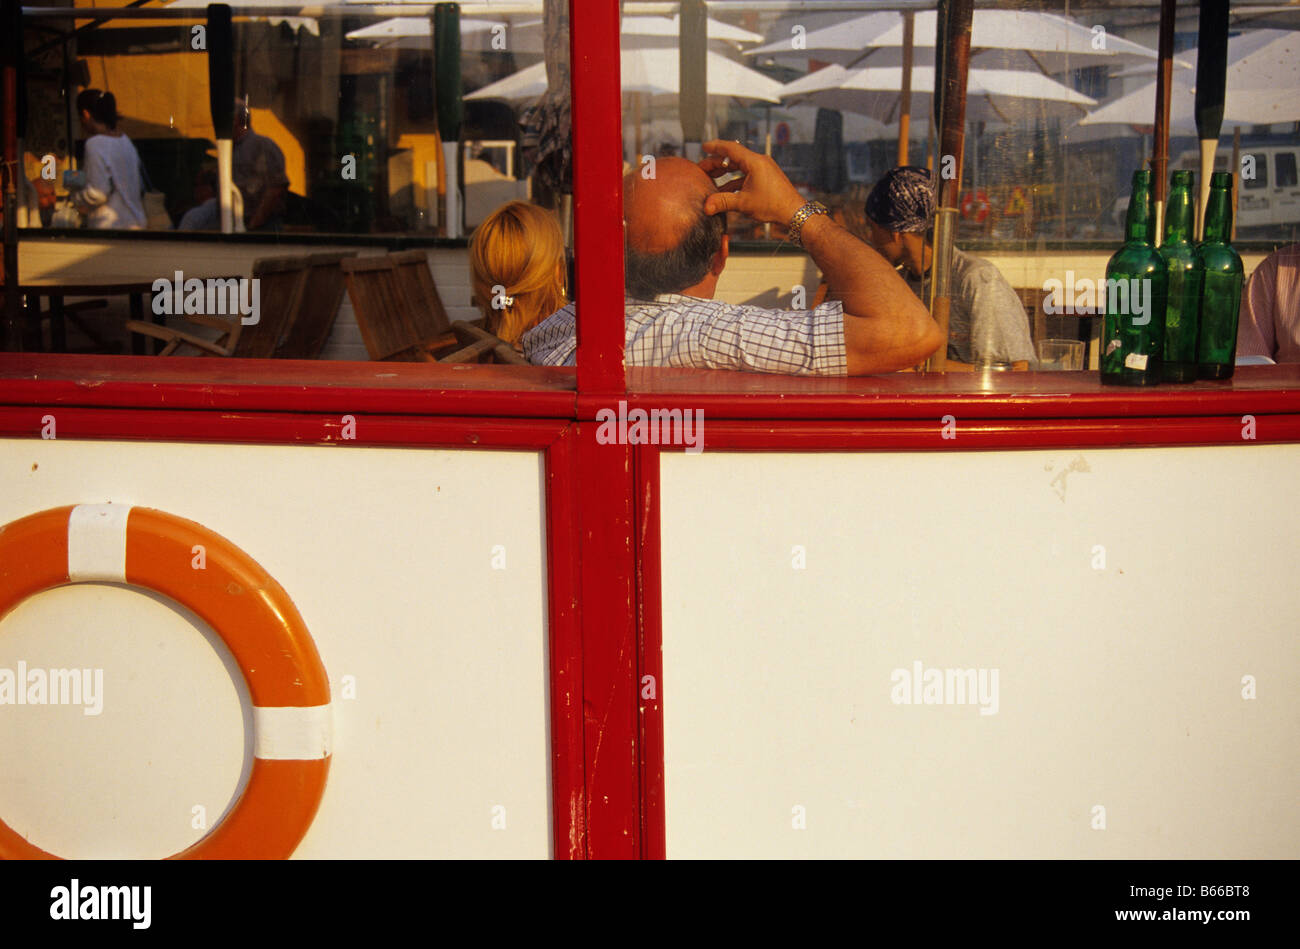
(885, 326)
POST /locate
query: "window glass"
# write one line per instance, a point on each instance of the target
(353, 128)
(1286, 170)
(343, 107)
(1059, 114)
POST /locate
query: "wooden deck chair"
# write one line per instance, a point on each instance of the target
(425, 310)
(382, 311)
(280, 289)
(430, 317)
(479, 344)
(321, 296)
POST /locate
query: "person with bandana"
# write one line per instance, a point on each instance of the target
(987, 322)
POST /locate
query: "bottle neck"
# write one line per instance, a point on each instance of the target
(1178, 216)
(1137, 225)
(1218, 215)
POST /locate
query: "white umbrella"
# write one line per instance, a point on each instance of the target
(652, 71)
(1263, 87)
(1003, 95)
(645, 30)
(1281, 17)
(476, 35)
(1039, 36)
(482, 35)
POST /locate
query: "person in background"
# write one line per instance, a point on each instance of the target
(205, 215)
(517, 270)
(257, 167)
(676, 247)
(986, 320)
(1270, 308)
(113, 193)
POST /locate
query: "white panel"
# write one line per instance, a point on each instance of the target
(388, 554)
(1120, 687)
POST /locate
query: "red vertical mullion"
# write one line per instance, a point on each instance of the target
(650, 653)
(605, 484)
(568, 772)
(597, 193)
(609, 647)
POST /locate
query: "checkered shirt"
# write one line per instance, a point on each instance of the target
(694, 333)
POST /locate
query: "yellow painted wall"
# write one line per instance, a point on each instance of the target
(160, 95)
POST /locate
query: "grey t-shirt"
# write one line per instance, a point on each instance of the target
(986, 319)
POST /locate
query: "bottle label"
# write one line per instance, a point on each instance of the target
(1135, 361)
(1113, 345)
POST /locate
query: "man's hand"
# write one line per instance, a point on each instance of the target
(885, 326)
(764, 193)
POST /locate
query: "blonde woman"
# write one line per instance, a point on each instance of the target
(517, 271)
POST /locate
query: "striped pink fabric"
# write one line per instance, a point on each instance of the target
(1270, 308)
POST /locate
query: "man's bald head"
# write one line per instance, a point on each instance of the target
(670, 240)
(659, 210)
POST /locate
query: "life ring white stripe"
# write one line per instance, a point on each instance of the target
(292, 733)
(97, 542)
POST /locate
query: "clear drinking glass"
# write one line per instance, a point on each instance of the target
(1059, 354)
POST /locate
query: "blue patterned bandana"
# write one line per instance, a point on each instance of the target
(903, 200)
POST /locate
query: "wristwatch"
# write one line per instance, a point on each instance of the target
(801, 216)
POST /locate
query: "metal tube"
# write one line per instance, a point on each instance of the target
(905, 94)
(954, 26)
(1164, 87)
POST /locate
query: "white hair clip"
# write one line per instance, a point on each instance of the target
(500, 300)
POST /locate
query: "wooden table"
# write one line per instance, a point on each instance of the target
(57, 288)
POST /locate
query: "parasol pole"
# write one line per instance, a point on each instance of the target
(1160, 152)
(954, 24)
(221, 103)
(1211, 87)
(451, 104)
(1236, 163)
(767, 150)
(905, 94)
(692, 75)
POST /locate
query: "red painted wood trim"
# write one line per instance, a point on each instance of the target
(283, 385)
(979, 434)
(284, 429)
(650, 652)
(609, 647)
(564, 640)
(1252, 390)
(598, 192)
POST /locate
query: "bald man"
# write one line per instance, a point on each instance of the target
(676, 248)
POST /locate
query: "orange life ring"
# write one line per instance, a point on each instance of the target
(245, 606)
(975, 205)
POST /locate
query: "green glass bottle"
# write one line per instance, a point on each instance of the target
(1186, 278)
(1137, 283)
(1216, 348)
